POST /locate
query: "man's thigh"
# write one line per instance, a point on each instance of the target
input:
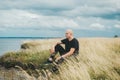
(60, 49)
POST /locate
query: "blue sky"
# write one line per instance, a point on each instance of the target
(50, 18)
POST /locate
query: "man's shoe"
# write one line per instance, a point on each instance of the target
(54, 69)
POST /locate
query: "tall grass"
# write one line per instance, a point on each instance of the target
(99, 59)
(24, 58)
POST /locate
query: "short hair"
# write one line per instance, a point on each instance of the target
(70, 31)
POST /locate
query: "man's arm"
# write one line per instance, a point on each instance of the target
(59, 43)
(52, 50)
(69, 53)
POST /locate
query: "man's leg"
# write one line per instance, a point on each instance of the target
(60, 49)
(55, 50)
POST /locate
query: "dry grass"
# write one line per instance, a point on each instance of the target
(99, 59)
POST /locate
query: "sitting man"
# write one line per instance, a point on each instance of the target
(71, 48)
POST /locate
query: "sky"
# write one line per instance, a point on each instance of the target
(51, 18)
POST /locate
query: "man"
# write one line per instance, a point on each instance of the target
(71, 48)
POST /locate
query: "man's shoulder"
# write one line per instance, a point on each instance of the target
(75, 39)
(64, 39)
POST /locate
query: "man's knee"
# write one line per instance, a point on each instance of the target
(58, 46)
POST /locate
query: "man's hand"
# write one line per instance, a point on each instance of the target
(59, 60)
(52, 50)
(66, 55)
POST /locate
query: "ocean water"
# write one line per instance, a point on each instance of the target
(10, 44)
(13, 43)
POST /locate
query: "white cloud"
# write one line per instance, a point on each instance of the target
(87, 10)
(90, 23)
(97, 26)
(117, 26)
(41, 4)
(2, 29)
(21, 19)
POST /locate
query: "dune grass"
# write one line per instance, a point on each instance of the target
(99, 59)
(24, 58)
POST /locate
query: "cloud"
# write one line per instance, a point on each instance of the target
(97, 26)
(23, 19)
(93, 23)
(38, 16)
(38, 4)
(1, 29)
(117, 26)
(95, 11)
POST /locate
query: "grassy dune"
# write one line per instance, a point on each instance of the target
(99, 59)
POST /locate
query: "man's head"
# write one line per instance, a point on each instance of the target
(69, 33)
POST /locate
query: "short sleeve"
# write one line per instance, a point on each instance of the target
(64, 41)
(74, 44)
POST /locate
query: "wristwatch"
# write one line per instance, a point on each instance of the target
(62, 57)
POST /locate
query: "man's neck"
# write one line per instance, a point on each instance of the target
(70, 38)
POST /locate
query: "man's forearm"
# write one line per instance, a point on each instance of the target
(59, 42)
(67, 54)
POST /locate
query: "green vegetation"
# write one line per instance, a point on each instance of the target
(23, 58)
(30, 45)
(116, 36)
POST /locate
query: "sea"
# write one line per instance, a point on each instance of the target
(9, 44)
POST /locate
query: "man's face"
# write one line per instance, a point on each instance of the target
(67, 34)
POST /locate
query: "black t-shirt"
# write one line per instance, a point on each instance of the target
(71, 44)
